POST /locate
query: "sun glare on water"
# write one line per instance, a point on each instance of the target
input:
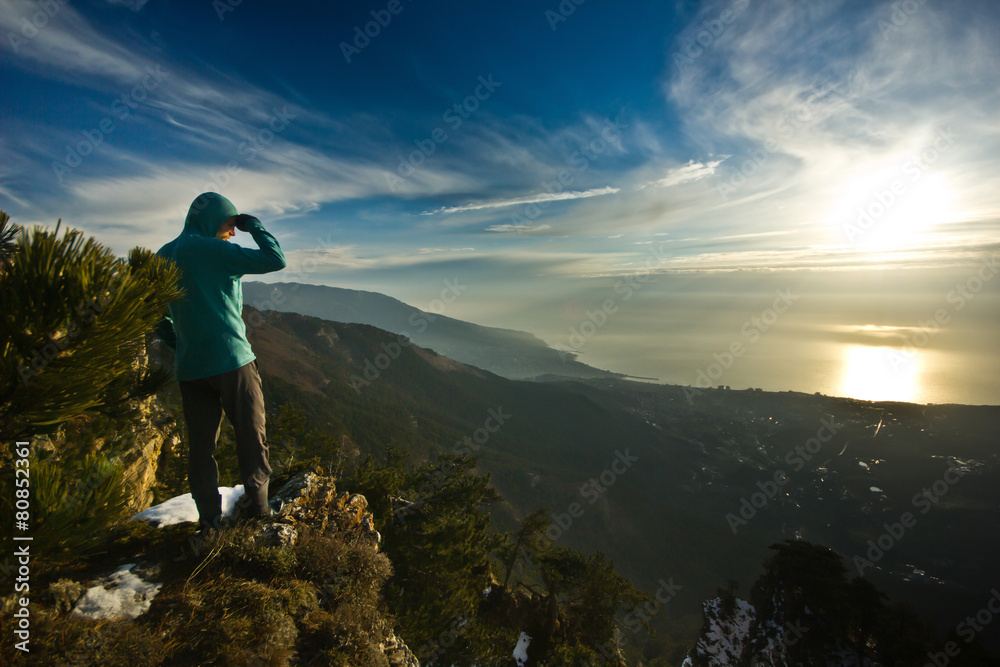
(874, 373)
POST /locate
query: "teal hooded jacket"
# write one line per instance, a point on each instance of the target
(205, 327)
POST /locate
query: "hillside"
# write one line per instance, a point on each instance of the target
(655, 480)
(507, 352)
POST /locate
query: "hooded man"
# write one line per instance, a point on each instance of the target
(214, 365)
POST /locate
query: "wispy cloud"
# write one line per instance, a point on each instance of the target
(150, 208)
(820, 258)
(529, 199)
(66, 42)
(432, 251)
(126, 193)
(692, 171)
(822, 137)
(518, 229)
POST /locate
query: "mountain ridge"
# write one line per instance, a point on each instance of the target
(508, 352)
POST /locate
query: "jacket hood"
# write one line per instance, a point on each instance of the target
(207, 212)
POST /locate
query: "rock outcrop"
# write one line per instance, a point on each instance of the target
(301, 587)
(310, 499)
(139, 442)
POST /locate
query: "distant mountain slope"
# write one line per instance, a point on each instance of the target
(671, 489)
(507, 352)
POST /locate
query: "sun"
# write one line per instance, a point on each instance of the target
(888, 209)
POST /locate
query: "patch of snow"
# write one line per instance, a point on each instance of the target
(182, 508)
(121, 595)
(521, 650)
(725, 638)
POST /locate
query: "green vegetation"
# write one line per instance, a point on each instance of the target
(436, 529)
(8, 240)
(73, 320)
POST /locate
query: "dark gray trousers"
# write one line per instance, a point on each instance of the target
(239, 394)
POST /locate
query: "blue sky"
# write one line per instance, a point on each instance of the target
(540, 152)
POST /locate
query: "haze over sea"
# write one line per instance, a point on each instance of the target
(905, 335)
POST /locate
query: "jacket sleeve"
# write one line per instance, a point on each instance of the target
(165, 330)
(238, 260)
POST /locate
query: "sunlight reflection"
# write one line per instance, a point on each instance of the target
(874, 373)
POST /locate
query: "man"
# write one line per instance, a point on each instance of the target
(215, 367)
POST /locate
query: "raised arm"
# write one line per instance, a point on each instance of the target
(267, 258)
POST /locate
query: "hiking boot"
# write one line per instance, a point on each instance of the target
(209, 531)
(248, 514)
